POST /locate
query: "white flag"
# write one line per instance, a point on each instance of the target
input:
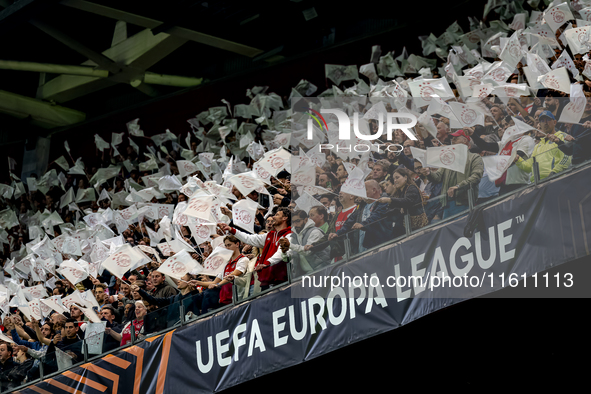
(305, 202)
(573, 111)
(564, 60)
(424, 90)
(244, 213)
(200, 207)
(71, 245)
(85, 195)
(246, 182)
(73, 298)
(578, 39)
(101, 144)
(180, 264)
(216, 262)
(274, 162)
(495, 166)
(558, 15)
(8, 219)
(124, 259)
(55, 305)
(116, 138)
(72, 271)
(355, 184)
(452, 157)
(201, 230)
(467, 116)
(498, 73)
(512, 52)
(556, 79)
(134, 129)
(63, 163)
(186, 167)
(35, 309)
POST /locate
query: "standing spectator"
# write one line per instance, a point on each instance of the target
(270, 264)
(161, 288)
(380, 170)
(455, 185)
(306, 232)
(550, 159)
(108, 315)
(370, 218)
(6, 364)
(319, 216)
(405, 196)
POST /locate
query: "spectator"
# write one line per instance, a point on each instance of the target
(455, 184)
(108, 315)
(138, 325)
(380, 170)
(271, 266)
(405, 196)
(514, 177)
(219, 291)
(550, 159)
(161, 288)
(306, 232)
(319, 216)
(370, 218)
(6, 365)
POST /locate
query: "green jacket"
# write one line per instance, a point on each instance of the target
(471, 176)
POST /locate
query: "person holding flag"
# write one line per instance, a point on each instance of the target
(271, 266)
(219, 291)
(456, 185)
(550, 159)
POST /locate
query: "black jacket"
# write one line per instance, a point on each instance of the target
(377, 227)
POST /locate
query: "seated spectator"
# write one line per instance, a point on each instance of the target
(405, 196)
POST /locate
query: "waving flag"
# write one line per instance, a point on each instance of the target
(124, 259)
(244, 213)
(558, 15)
(556, 79)
(180, 264)
(495, 166)
(452, 157)
(216, 262)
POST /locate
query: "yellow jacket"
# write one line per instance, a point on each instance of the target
(550, 158)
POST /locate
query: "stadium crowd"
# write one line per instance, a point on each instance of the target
(113, 251)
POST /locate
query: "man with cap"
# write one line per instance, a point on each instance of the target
(456, 185)
(550, 159)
